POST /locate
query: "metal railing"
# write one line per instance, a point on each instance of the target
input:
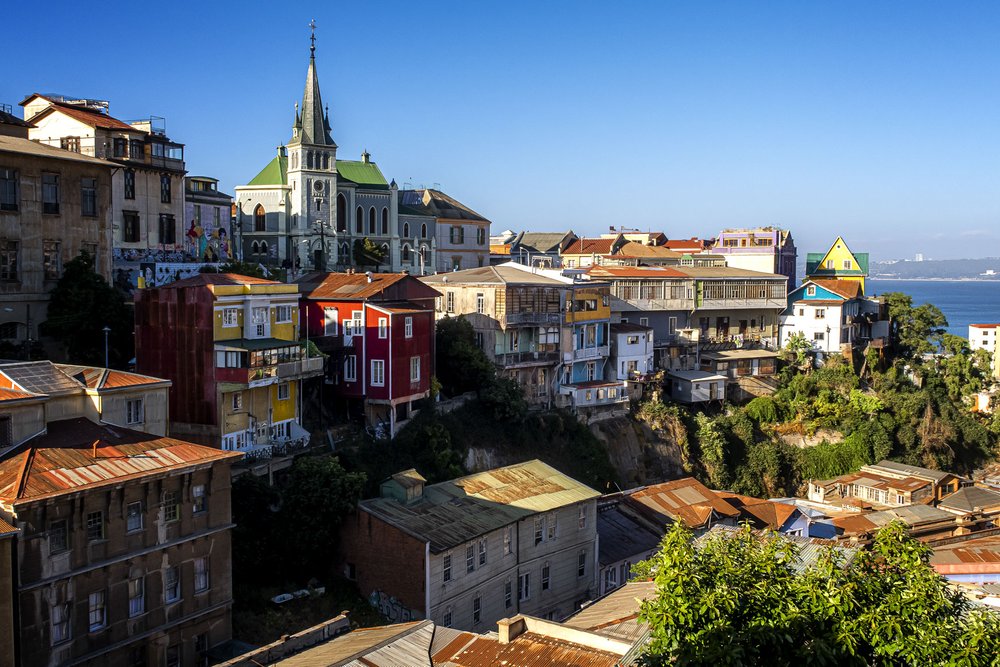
(591, 352)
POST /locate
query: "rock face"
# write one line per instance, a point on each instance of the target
(639, 454)
(804, 440)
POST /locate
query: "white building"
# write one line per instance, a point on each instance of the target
(832, 314)
(985, 337)
(631, 351)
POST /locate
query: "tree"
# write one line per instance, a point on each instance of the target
(251, 269)
(316, 496)
(461, 364)
(80, 306)
(737, 599)
(368, 253)
(914, 330)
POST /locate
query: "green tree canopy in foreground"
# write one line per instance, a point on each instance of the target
(736, 600)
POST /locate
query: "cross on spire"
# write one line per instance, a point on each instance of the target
(312, 37)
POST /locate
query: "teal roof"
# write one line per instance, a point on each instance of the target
(363, 173)
(275, 173)
(813, 267)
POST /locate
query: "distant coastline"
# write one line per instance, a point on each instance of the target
(938, 280)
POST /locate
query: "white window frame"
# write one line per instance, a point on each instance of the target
(97, 611)
(350, 367)
(524, 586)
(237, 401)
(408, 327)
(414, 369)
(283, 388)
(330, 321)
(481, 559)
(383, 327)
(230, 317)
(134, 411)
(446, 568)
(136, 596)
(378, 373)
(282, 314)
(480, 303)
(508, 534)
(583, 517)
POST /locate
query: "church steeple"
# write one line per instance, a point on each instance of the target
(315, 127)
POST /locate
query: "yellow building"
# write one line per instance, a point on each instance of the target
(838, 263)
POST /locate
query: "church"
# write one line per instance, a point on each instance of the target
(307, 209)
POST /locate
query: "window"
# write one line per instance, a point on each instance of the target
(423, 230)
(359, 221)
(406, 230)
(133, 411)
(167, 229)
(130, 226)
(156, 149)
(283, 391)
(283, 314)
(378, 372)
(631, 340)
(95, 526)
(50, 192)
(329, 321)
(371, 221)
(414, 369)
(136, 596)
(201, 580)
(230, 317)
(351, 368)
(385, 222)
(524, 586)
(811, 290)
(480, 303)
(447, 617)
(477, 608)
(9, 200)
(88, 197)
(198, 500)
(545, 576)
(171, 509)
(610, 578)
(165, 188)
(60, 622)
(121, 147)
(133, 517)
(383, 327)
(408, 327)
(259, 219)
(201, 648)
(129, 177)
(171, 585)
(508, 534)
(58, 536)
(51, 260)
(482, 551)
(819, 335)
(847, 265)
(237, 399)
(551, 532)
(457, 235)
(583, 517)
(8, 261)
(820, 313)
(173, 656)
(450, 302)
(470, 558)
(135, 149)
(508, 595)
(581, 564)
(96, 612)
(481, 236)
(446, 568)
(539, 530)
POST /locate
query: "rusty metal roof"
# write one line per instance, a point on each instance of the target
(977, 555)
(6, 530)
(527, 650)
(451, 513)
(394, 645)
(348, 286)
(971, 499)
(911, 515)
(43, 378)
(760, 513)
(687, 500)
(77, 453)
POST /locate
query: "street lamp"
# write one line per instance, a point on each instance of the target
(107, 330)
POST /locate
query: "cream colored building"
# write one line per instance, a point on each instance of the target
(35, 393)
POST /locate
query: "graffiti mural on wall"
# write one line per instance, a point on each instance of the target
(391, 608)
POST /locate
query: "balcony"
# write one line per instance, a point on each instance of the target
(515, 359)
(590, 352)
(536, 319)
(304, 368)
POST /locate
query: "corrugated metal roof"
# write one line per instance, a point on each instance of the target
(905, 469)
(65, 458)
(451, 513)
(616, 614)
(348, 286)
(6, 529)
(381, 646)
(809, 549)
(528, 650)
(40, 377)
(622, 535)
(685, 499)
(970, 499)
(494, 275)
(979, 551)
(24, 146)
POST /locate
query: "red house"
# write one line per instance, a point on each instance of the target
(378, 329)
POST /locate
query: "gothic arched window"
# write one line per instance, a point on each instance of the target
(385, 221)
(309, 159)
(423, 231)
(263, 249)
(259, 219)
(371, 221)
(341, 213)
(254, 248)
(359, 221)
(406, 230)
(405, 254)
(326, 160)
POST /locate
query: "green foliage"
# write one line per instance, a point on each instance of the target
(368, 253)
(763, 410)
(713, 445)
(505, 399)
(250, 269)
(80, 306)
(461, 365)
(914, 330)
(736, 600)
(797, 349)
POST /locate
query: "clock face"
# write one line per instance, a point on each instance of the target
(318, 186)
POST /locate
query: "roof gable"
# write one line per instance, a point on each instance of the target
(275, 173)
(358, 287)
(844, 262)
(813, 291)
(362, 173)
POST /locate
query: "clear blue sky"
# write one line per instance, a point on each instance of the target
(876, 120)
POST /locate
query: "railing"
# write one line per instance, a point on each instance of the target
(311, 366)
(727, 304)
(261, 375)
(532, 318)
(515, 358)
(591, 352)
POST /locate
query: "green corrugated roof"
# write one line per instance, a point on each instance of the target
(275, 173)
(362, 173)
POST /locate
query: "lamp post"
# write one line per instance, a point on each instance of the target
(107, 330)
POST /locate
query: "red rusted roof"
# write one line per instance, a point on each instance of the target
(90, 117)
(686, 245)
(636, 272)
(106, 378)
(218, 279)
(590, 247)
(526, 650)
(979, 555)
(6, 528)
(686, 499)
(66, 459)
(346, 286)
(849, 289)
(15, 394)
(761, 513)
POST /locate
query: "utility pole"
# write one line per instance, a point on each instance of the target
(107, 330)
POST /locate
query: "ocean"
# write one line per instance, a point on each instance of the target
(963, 302)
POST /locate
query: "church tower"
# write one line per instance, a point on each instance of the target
(312, 177)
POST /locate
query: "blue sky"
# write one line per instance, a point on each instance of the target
(878, 121)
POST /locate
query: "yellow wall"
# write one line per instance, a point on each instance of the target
(288, 330)
(228, 333)
(284, 331)
(263, 403)
(284, 409)
(840, 253)
(601, 295)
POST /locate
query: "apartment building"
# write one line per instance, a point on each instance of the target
(54, 204)
(984, 337)
(230, 345)
(124, 549)
(208, 216)
(839, 262)
(889, 484)
(764, 249)
(463, 236)
(465, 553)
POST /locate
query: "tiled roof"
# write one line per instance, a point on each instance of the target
(320, 285)
(90, 117)
(451, 513)
(11, 119)
(590, 247)
(203, 279)
(66, 458)
(687, 500)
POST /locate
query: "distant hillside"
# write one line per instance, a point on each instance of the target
(954, 269)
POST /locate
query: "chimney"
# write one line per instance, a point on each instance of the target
(366, 156)
(509, 628)
(368, 275)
